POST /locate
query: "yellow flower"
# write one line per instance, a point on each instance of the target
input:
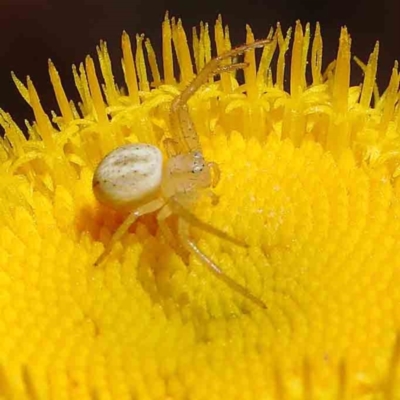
(309, 179)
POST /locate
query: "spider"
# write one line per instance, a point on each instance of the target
(136, 179)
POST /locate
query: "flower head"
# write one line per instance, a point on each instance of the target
(309, 179)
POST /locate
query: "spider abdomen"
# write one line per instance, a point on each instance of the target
(128, 175)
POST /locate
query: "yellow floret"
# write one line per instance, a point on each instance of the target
(309, 180)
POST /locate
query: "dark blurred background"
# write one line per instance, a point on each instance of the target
(66, 31)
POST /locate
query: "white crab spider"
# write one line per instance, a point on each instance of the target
(134, 177)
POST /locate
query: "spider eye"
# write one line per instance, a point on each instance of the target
(198, 162)
(197, 168)
(197, 155)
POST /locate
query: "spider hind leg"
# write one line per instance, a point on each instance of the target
(183, 231)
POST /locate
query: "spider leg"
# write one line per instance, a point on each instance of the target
(182, 123)
(171, 147)
(183, 230)
(169, 235)
(147, 208)
(189, 217)
(214, 198)
(213, 67)
(216, 173)
(230, 68)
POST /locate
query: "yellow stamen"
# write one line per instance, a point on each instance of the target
(250, 73)
(153, 63)
(61, 97)
(316, 57)
(108, 76)
(95, 91)
(129, 69)
(222, 46)
(141, 65)
(342, 75)
(297, 68)
(168, 60)
(42, 120)
(82, 85)
(182, 51)
(369, 78)
(21, 88)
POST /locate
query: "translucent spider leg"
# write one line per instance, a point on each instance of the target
(171, 238)
(180, 113)
(183, 230)
(171, 147)
(216, 173)
(129, 220)
(230, 68)
(185, 214)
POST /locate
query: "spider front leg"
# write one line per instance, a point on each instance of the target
(148, 208)
(183, 230)
(181, 119)
(215, 67)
